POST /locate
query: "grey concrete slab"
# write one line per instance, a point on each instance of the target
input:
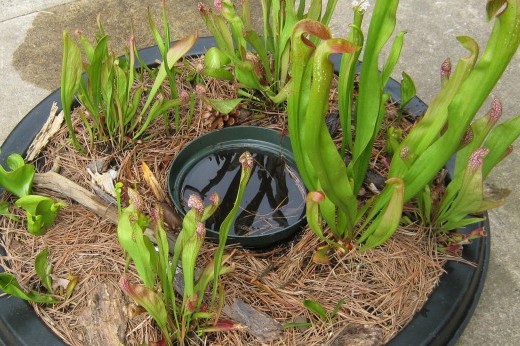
(31, 41)
(16, 8)
(16, 96)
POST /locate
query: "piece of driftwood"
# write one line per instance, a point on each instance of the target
(104, 313)
(258, 324)
(104, 181)
(58, 183)
(51, 126)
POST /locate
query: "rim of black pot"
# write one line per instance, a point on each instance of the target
(440, 322)
(253, 138)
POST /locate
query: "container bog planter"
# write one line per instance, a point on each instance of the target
(440, 322)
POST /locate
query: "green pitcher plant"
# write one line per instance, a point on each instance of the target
(41, 211)
(109, 90)
(447, 128)
(163, 45)
(175, 316)
(19, 178)
(267, 71)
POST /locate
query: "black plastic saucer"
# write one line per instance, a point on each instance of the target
(441, 321)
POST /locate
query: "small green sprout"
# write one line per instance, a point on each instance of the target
(41, 211)
(318, 309)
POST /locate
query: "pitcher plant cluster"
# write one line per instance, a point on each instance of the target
(110, 91)
(40, 214)
(447, 128)
(267, 70)
(178, 313)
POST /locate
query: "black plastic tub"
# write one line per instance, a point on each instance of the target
(440, 322)
(273, 206)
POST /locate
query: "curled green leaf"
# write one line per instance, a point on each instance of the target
(73, 281)
(223, 106)
(407, 90)
(215, 58)
(9, 285)
(41, 212)
(495, 8)
(149, 300)
(130, 231)
(70, 80)
(316, 308)
(383, 228)
(18, 180)
(44, 269)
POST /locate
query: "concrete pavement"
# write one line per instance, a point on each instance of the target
(30, 59)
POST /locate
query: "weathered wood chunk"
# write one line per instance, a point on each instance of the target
(104, 314)
(258, 324)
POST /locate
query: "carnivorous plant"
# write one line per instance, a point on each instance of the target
(109, 93)
(41, 211)
(447, 128)
(158, 271)
(268, 70)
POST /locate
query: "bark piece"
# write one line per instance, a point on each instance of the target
(358, 335)
(105, 180)
(51, 126)
(58, 183)
(105, 314)
(258, 324)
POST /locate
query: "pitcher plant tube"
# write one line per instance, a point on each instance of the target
(175, 316)
(267, 71)
(447, 128)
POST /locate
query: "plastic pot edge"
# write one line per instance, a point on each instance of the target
(237, 136)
